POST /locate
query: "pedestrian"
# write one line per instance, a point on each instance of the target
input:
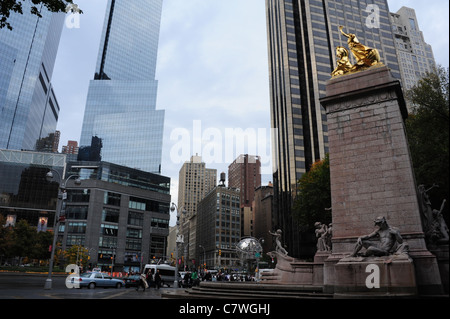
(157, 280)
(142, 282)
(194, 278)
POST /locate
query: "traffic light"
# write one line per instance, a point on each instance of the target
(220, 252)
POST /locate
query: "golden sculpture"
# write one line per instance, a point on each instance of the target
(365, 56)
(343, 64)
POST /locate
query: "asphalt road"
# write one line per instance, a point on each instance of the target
(31, 286)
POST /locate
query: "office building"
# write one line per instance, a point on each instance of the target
(121, 102)
(28, 106)
(116, 212)
(219, 227)
(302, 37)
(263, 220)
(195, 181)
(415, 55)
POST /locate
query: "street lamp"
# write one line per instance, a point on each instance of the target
(61, 197)
(179, 239)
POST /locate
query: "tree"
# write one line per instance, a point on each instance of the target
(24, 238)
(314, 195)
(76, 253)
(427, 129)
(8, 6)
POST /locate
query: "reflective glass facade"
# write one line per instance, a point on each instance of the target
(25, 193)
(121, 102)
(29, 109)
(302, 37)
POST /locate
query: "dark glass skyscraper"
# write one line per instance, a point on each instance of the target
(28, 106)
(121, 102)
(302, 38)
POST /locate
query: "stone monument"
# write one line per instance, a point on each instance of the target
(371, 175)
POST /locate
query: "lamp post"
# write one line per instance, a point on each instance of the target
(179, 239)
(61, 198)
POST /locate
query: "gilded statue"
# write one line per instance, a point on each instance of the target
(343, 65)
(365, 57)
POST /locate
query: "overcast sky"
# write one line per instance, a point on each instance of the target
(213, 75)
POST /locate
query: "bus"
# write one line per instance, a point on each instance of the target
(166, 272)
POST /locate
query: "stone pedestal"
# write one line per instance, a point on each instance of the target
(371, 171)
(375, 277)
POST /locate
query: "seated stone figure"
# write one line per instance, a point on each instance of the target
(384, 241)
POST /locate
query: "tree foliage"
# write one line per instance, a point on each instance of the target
(23, 240)
(428, 133)
(314, 195)
(8, 6)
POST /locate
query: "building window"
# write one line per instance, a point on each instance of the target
(76, 212)
(110, 215)
(134, 233)
(136, 219)
(78, 196)
(111, 199)
(109, 230)
(160, 223)
(77, 227)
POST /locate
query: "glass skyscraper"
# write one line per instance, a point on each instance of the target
(28, 106)
(302, 39)
(120, 107)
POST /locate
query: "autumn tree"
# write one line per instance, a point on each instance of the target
(8, 6)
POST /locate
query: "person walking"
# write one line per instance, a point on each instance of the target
(142, 282)
(157, 280)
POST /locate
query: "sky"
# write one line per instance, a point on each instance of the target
(213, 76)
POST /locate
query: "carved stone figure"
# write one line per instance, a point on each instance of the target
(384, 241)
(321, 234)
(279, 247)
(328, 236)
(438, 230)
(434, 225)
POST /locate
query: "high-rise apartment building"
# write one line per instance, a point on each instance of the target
(219, 225)
(415, 55)
(121, 102)
(70, 148)
(28, 106)
(194, 183)
(302, 38)
(244, 174)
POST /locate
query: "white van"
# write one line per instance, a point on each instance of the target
(166, 272)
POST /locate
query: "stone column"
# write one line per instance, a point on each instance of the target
(371, 170)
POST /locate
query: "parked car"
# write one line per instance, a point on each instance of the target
(98, 279)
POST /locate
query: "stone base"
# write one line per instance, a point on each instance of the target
(442, 256)
(292, 271)
(375, 277)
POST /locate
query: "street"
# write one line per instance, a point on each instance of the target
(31, 286)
